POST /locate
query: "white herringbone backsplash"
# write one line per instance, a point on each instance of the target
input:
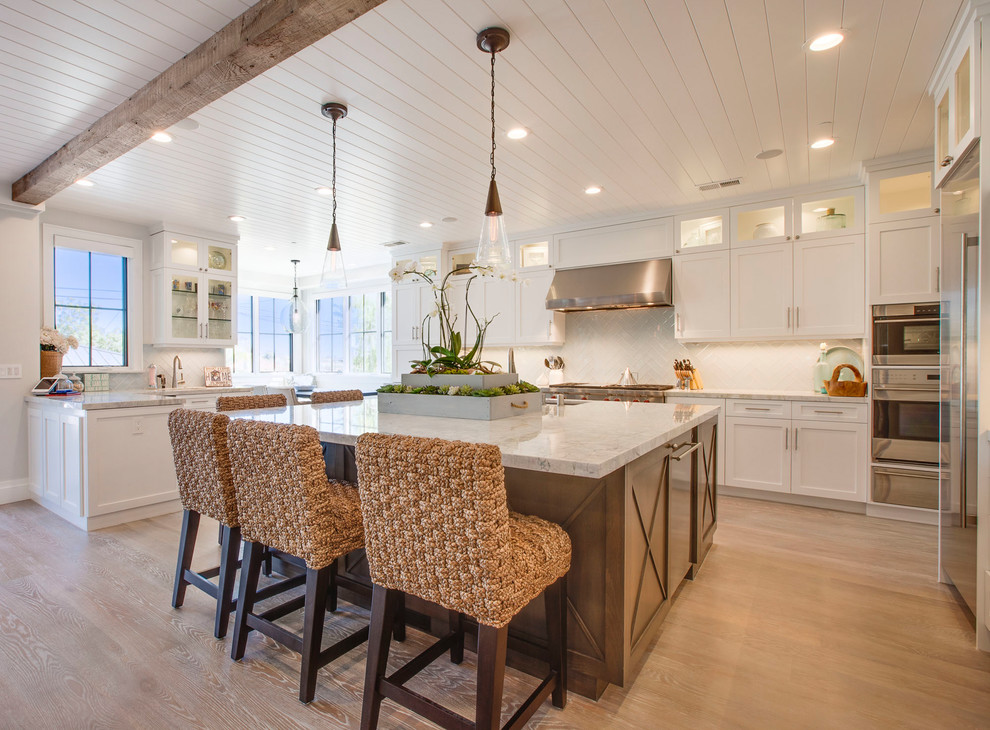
(600, 345)
(193, 362)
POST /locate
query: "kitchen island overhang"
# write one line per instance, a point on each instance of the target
(633, 484)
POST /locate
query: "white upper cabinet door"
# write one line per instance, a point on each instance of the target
(405, 315)
(533, 253)
(428, 326)
(759, 224)
(829, 214)
(957, 117)
(535, 324)
(761, 291)
(829, 460)
(901, 193)
(192, 253)
(830, 287)
(701, 296)
(697, 232)
(500, 307)
(904, 261)
(640, 241)
(757, 453)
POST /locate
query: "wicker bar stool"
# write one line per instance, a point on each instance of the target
(285, 501)
(437, 526)
(335, 396)
(246, 402)
(202, 470)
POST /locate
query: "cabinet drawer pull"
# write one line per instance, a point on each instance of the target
(796, 430)
(797, 317)
(693, 447)
(946, 161)
(787, 433)
(788, 318)
(753, 408)
(830, 413)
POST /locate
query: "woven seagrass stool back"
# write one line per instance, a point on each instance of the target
(335, 396)
(285, 501)
(437, 526)
(206, 487)
(245, 402)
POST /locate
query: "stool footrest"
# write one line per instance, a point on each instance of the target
(342, 647)
(533, 702)
(424, 706)
(283, 585)
(422, 660)
(273, 630)
(282, 609)
(200, 581)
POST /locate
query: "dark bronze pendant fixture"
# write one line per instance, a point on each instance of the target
(333, 276)
(493, 244)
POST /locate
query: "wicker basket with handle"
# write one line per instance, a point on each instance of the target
(845, 388)
(51, 363)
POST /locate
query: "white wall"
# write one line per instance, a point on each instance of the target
(600, 345)
(20, 301)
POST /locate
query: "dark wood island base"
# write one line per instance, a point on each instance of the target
(636, 534)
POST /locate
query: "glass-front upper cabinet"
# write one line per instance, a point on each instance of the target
(834, 213)
(956, 105)
(193, 253)
(425, 261)
(532, 254)
(183, 317)
(761, 223)
(901, 193)
(707, 231)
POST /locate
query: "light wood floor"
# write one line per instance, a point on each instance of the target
(800, 618)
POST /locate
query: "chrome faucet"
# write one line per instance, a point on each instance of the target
(177, 378)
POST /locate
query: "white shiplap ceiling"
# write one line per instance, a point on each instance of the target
(647, 98)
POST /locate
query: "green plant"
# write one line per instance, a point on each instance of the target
(457, 390)
(452, 355)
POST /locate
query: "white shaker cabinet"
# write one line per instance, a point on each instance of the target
(829, 460)
(904, 261)
(405, 314)
(757, 453)
(535, 324)
(499, 297)
(761, 291)
(193, 310)
(829, 287)
(639, 241)
(701, 296)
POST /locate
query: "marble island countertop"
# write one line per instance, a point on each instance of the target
(102, 401)
(589, 439)
(762, 395)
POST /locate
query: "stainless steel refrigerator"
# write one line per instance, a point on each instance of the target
(960, 233)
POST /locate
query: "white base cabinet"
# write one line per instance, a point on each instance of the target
(757, 453)
(97, 468)
(829, 460)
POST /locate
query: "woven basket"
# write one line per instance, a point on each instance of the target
(845, 388)
(51, 363)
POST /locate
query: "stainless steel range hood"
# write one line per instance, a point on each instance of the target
(617, 286)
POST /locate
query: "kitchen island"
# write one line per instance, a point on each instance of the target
(633, 484)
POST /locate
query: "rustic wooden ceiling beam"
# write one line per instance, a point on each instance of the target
(257, 40)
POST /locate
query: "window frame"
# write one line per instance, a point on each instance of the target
(384, 359)
(294, 341)
(132, 249)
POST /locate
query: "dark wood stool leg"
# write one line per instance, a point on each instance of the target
(220, 535)
(399, 622)
(314, 611)
(332, 592)
(267, 564)
(187, 543)
(456, 627)
(491, 674)
(384, 606)
(229, 553)
(555, 602)
(250, 568)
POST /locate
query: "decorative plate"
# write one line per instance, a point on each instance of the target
(218, 260)
(835, 356)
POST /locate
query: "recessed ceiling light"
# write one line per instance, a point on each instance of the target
(236, 218)
(592, 190)
(162, 137)
(85, 183)
(426, 224)
(517, 133)
(187, 123)
(323, 190)
(449, 219)
(769, 154)
(826, 41)
(822, 143)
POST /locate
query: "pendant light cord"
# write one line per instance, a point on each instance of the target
(493, 115)
(333, 182)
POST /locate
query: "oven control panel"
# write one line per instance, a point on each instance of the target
(918, 377)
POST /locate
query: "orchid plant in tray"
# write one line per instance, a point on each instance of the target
(452, 355)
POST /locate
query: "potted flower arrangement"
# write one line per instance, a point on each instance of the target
(451, 379)
(53, 346)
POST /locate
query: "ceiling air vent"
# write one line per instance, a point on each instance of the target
(717, 184)
(393, 244)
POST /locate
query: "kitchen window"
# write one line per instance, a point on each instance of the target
(263, 345)
(354, 333)
(93, 292)
(244, 346)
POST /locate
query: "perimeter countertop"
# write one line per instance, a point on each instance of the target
(589, 439)
(102, 401)
(762, 395)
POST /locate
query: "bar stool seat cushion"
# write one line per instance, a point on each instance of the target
(437, 525)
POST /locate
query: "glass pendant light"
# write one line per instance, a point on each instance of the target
(294, 317)
(333, 276)
(493, 244)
